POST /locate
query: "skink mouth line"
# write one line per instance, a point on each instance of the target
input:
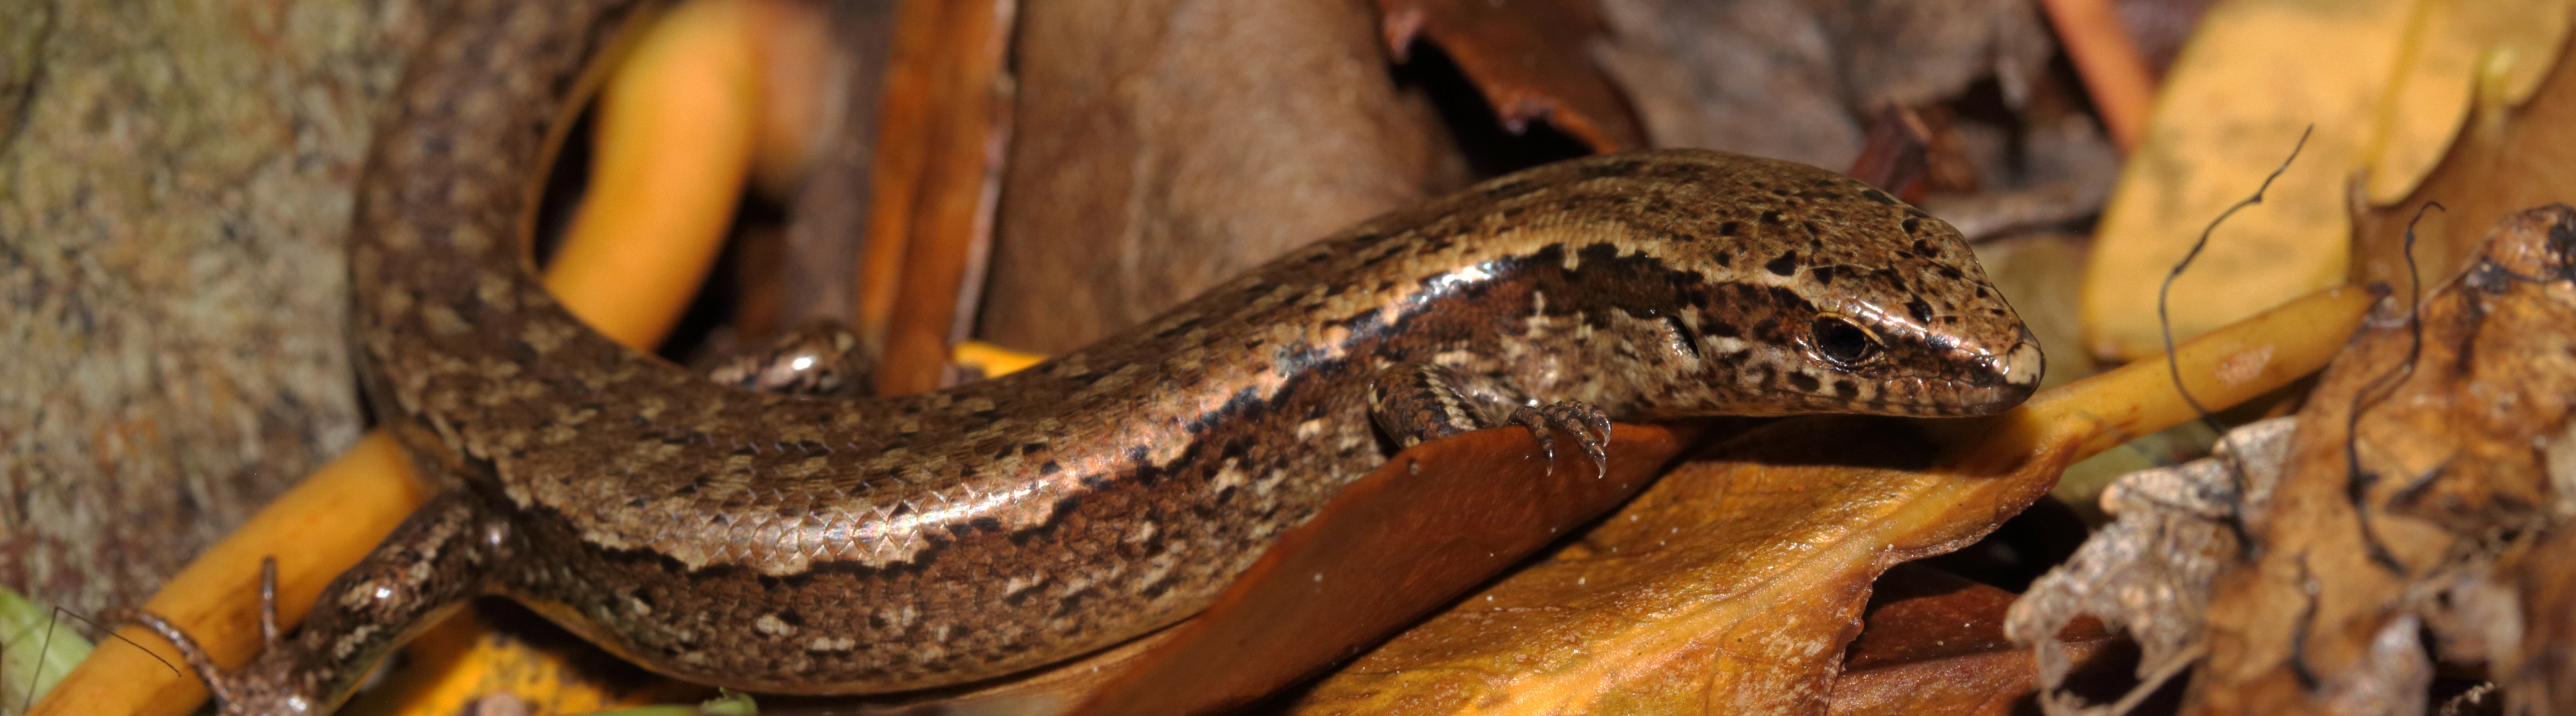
(2005, 396)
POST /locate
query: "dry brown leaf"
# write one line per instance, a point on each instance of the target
(1791, 78)
(1165, 146)
(1731, 585)
(2452, 488)
(2384, 83)
(1530, 58)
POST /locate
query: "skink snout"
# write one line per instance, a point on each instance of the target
(2011, 376)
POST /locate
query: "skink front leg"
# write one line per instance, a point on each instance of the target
(1414, 402)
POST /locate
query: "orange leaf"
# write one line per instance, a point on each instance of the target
(1433, 521)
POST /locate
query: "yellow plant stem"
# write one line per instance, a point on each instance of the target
(2221, 368)
(675, 143)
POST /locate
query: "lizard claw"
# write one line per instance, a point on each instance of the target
(219, 684)
(1589, 426)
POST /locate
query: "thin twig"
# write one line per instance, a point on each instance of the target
(2164, 316)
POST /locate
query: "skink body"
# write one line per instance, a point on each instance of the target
(795, 544)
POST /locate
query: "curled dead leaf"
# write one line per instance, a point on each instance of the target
(1531, 59)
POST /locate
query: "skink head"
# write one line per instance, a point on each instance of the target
(1802, 291)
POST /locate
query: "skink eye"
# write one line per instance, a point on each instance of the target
(1841, 342)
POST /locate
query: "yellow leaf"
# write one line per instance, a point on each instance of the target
(2385, 82)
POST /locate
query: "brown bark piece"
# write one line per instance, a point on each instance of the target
(1531, 59)
(1166, 145)
(944, 121)
(174, 195)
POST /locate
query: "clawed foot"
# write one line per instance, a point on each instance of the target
(236, 693)
(1589, 426)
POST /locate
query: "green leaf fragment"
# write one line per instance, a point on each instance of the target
(36, 650)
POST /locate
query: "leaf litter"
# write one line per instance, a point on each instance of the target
(2409, 520)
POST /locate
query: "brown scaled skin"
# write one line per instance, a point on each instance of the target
(846, 545)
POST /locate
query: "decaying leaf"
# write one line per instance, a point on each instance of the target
(2150, 569)
(2384, 83)
(2543, 667)
(1530, 58)
(1731, 585)
(2423, 490)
